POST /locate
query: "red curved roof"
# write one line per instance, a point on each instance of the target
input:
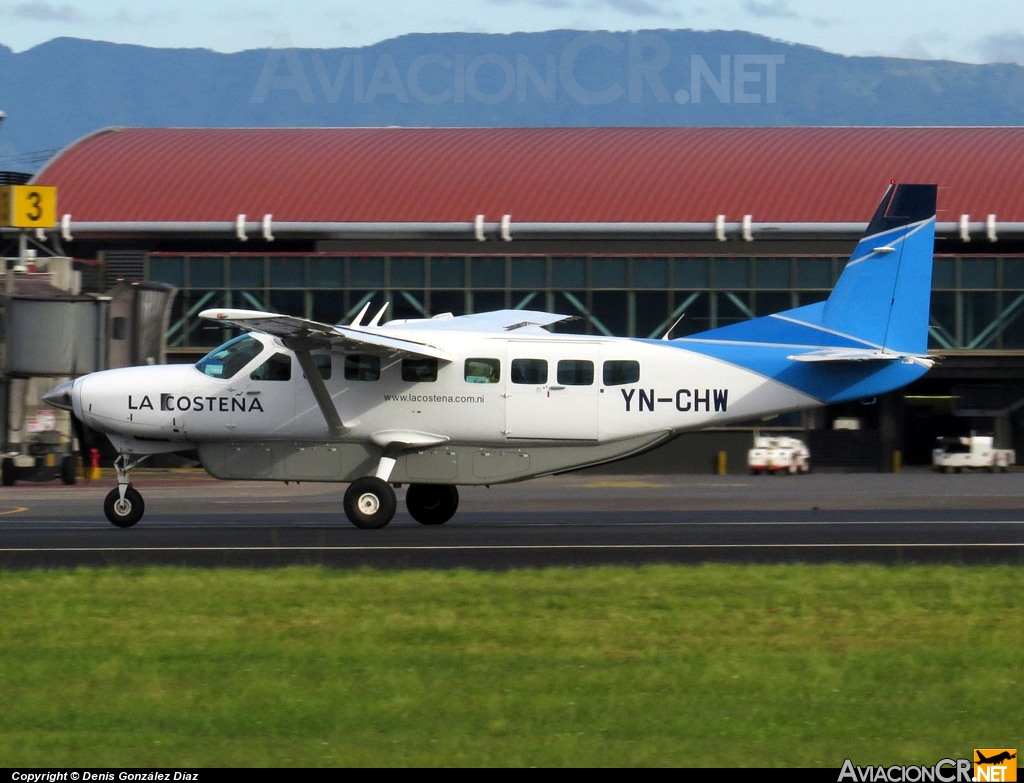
(532, 174)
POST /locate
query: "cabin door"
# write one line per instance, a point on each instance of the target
(552, 391)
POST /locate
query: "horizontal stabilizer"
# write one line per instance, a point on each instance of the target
(859, 355)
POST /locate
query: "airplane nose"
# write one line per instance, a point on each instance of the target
(60, 396)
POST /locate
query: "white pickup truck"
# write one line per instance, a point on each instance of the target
(973, 452)
(778, 454)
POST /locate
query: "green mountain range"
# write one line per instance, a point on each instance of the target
(66, 88)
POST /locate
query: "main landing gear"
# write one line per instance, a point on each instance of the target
(370, 503)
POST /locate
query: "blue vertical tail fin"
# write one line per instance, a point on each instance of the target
(879, 307)
(882, 298)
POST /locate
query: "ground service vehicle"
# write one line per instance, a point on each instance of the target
(778, 454)
(972, 452)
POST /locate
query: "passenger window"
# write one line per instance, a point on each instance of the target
(529, 371)
(419, 370)
(620, 371)
(323, 365)
(359, 367)
(483, 371)
(575, 372)
(277, 368)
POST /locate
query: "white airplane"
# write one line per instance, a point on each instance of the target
(495, 397)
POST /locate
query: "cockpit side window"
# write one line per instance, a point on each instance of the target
(228, 359)
(277, 368)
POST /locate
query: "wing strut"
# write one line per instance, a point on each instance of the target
(316, 385)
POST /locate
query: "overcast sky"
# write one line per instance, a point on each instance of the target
(979, 31)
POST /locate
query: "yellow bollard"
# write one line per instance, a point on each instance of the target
(93, 471)
(723, 458)
(897, 461)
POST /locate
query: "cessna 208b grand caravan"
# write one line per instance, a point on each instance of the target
(495, 397)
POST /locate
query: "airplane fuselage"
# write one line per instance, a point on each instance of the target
(503, 408)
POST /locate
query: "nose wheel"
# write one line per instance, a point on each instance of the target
(124, 511)
(124, 505)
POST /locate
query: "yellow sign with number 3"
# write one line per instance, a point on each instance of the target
(28, 206)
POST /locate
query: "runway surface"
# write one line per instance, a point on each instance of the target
(577, 519)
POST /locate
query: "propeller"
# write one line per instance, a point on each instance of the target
(61, 397)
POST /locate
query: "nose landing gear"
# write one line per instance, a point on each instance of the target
(124, 505)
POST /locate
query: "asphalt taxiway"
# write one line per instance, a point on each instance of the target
(575, 519)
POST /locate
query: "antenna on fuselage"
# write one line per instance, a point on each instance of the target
(357, 321)
(380, 314)
(675, 323)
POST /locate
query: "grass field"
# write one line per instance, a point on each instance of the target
(711, 666)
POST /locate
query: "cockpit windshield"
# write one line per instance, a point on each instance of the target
(226, 360)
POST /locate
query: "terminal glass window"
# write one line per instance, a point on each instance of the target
(978, 298)
(732, 272)
(289, 302)
(327, 272)
(769, 302)
(814, 273)
(408, 272)
(568, 273)
(168, 269)
(247, 272)
(650, 273)
(488, 272)
(447, 272)
(1013, 273)
(610, 313)
(944, 274)
(772, 273)
(1013, 325)
(206, 272)
(529, 273)
(653, 314)
(691, 273)
(608, 273)
(287, 272)
(366, 272)
(979, 272)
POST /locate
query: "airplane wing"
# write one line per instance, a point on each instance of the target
(343, 339)
(493, 321)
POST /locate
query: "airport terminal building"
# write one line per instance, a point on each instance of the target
(638, 231)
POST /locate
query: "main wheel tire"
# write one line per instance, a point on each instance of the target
(432, 504)
(124, 513)
(370, 503)
(8, 472)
